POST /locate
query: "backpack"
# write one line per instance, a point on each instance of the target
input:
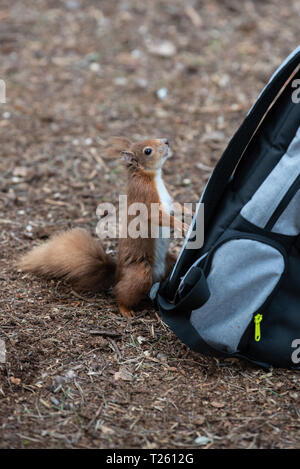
(239, 294)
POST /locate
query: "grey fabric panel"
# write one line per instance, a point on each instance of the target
(289, 221)
(264, 202)
(243, 274)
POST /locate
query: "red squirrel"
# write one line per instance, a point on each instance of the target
(79, 258)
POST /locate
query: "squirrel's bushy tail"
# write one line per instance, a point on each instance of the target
(75, 256)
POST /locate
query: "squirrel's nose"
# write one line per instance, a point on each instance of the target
(165, 140)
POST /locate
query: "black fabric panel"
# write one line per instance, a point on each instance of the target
(242, 224)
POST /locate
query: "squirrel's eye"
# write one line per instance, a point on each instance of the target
(148, 151)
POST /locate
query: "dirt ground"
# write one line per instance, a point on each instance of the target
(77, 375)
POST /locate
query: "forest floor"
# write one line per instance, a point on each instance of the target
(77, 72)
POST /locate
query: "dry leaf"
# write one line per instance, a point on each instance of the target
(199, 420)
(202, 440)
(106, 430)
(162, 49)
(192, 14)
(14, 380)
(217, 404)
(124, 375)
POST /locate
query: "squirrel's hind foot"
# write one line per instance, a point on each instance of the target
(126, 312)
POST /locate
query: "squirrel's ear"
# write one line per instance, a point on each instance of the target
(129, 158)
(116, 145)
(121, 142)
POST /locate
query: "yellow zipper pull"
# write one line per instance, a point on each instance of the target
(257, 321)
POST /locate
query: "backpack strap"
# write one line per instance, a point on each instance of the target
(194, 294)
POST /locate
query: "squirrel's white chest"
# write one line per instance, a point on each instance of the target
(162, 242)
(164, 196)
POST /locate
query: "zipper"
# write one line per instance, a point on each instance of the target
(283, 204)
(257, 320)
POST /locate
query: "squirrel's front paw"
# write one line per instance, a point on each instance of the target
(185, 228)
